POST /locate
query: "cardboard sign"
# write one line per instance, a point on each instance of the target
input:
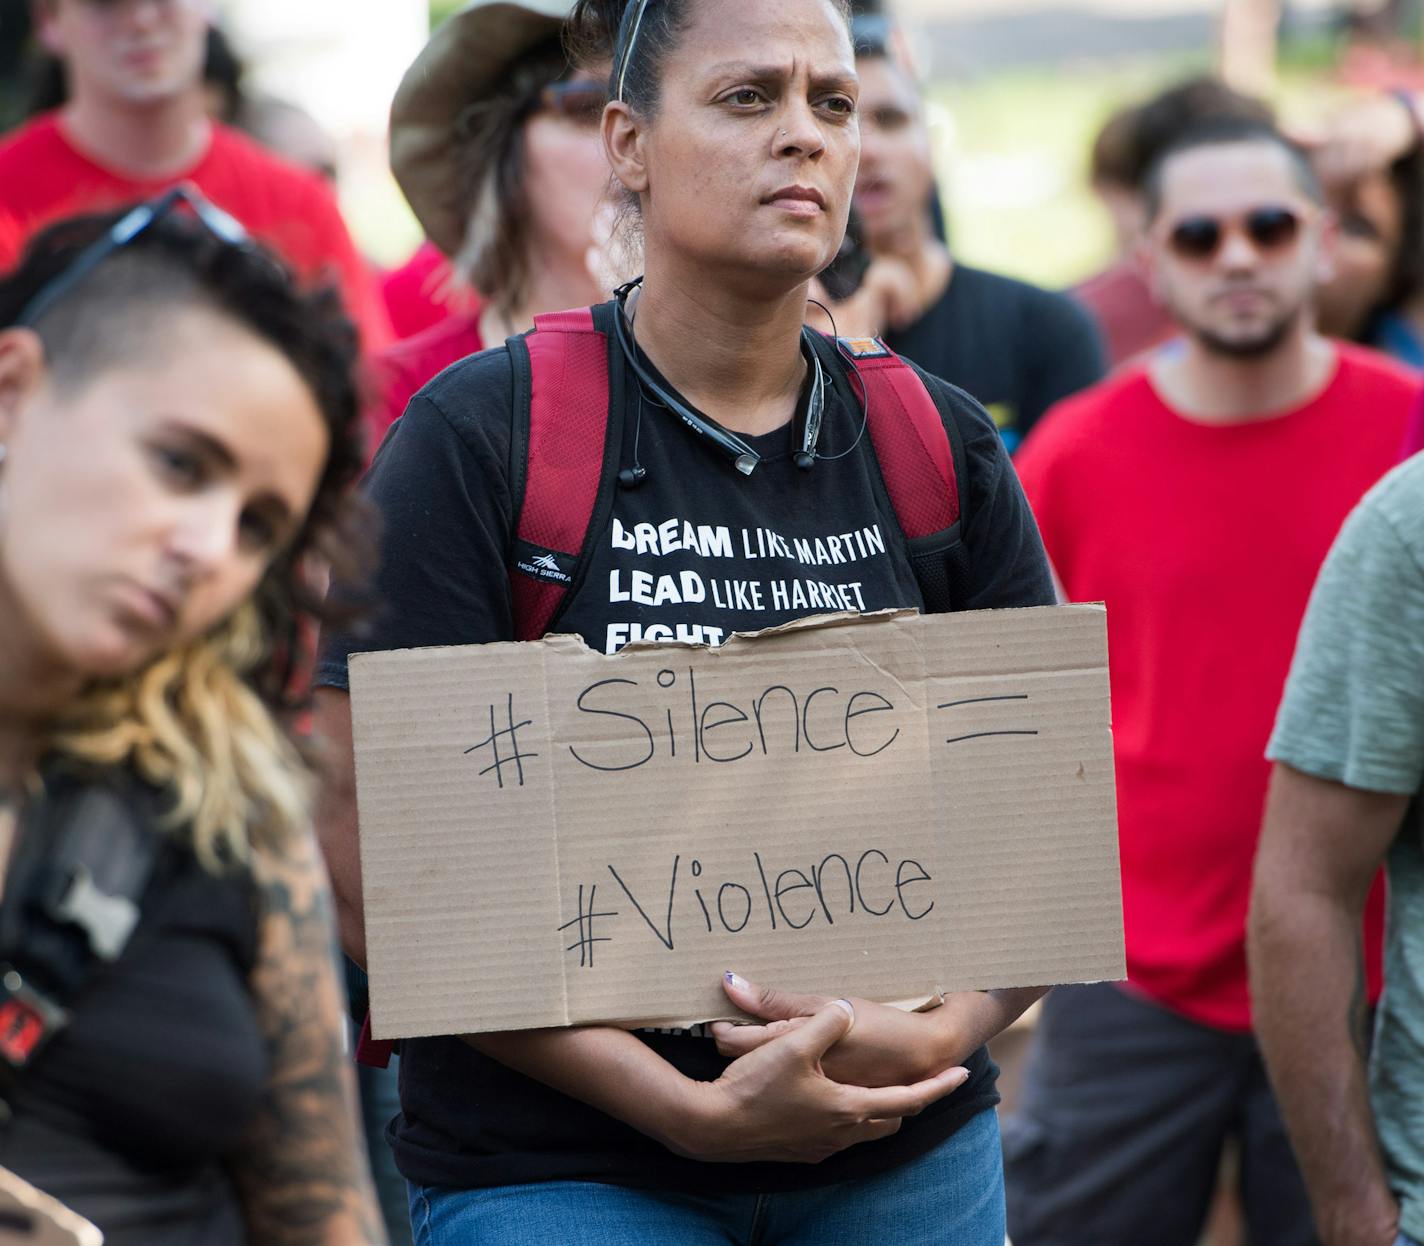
(885, 807)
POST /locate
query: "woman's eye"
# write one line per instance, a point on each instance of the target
(745, 97)
(840, 105)
(256, 531)
(179, 465)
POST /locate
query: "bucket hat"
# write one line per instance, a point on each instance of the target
(466, 58)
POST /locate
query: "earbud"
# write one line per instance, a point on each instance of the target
(632, 477)
(804, 459)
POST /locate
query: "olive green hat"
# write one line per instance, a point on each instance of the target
(466, 58)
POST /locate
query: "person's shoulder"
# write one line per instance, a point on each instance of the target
(1397, 501)
(1383, 373)
(1086, 414)
(38, 138)
(287, 186)
(474, 389)
(436, 347)
(1032, 300)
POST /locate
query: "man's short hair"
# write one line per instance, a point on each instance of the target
(1132, 138)
(1229, 132)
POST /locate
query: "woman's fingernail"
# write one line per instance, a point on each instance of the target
(735, 982)
(850, 1008)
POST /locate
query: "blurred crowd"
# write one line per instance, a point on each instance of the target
(1216, 435)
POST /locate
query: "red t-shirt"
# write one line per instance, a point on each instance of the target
(423, 291)
(1414, 434)
(45, 177)
(405, 367)
(1204, 541)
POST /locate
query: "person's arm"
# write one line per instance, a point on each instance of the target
(1321, 845)
(336, 826)
(1364, 137)
(886, 1045)
(301, 1173)
(774, 1103)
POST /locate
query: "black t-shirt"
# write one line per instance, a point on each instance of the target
(1017, 349)
(696, 552)
(129, 1115)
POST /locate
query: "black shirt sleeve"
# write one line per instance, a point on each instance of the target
(1069, 357)
(441, 484)
(1005, 550)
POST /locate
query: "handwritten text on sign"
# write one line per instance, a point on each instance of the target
(551, 836)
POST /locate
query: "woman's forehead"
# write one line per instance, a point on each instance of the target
(728, 32)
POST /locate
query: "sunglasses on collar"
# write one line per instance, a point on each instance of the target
(1197, 239)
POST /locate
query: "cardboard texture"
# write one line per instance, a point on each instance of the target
(885, 807)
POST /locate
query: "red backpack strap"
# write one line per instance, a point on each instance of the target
(919, 463)
(557, 464)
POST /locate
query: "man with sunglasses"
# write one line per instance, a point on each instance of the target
(1197, 494)
(135, 124)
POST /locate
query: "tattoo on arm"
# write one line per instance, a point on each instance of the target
(302, 1177)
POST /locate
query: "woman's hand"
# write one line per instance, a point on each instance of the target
(776, 1102)
(886, 1046)
(1365, 137)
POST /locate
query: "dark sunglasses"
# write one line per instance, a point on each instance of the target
(1199, 238)
(128, 227)
(580, 100)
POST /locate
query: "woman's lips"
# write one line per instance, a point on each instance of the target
(804, 201)
(146, 606)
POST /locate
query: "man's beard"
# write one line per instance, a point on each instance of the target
(1257, 347)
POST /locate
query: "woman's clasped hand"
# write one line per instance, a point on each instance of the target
(779, 1101)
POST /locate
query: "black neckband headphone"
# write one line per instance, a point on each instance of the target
(738, 452)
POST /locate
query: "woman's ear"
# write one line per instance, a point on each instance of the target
(623, 136)
(22, 369)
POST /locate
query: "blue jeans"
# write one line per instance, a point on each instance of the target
(953, 1194)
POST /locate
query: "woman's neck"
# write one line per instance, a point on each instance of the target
(33, 688)
(735, 355)
(155, 141)
(552, 287)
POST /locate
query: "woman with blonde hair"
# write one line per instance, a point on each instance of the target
(177, 435)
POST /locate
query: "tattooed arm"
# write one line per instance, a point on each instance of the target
(302, 1175)
(1321, 845)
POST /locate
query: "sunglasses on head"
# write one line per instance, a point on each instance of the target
(1268, 229)
(133, 224)
(579, 100)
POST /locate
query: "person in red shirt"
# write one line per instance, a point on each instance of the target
(1197, 495)
(494, 140)
(136, 124)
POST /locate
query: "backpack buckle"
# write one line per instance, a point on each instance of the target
(28, 1019)
(107, 921)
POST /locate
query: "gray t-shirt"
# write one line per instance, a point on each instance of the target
(1354, 713)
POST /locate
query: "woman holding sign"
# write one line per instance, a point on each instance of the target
(733, 139)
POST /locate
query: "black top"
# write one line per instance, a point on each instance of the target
(1017, 349)
(757, 550)
(128, 1114)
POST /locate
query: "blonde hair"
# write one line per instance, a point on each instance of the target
(192, 724)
